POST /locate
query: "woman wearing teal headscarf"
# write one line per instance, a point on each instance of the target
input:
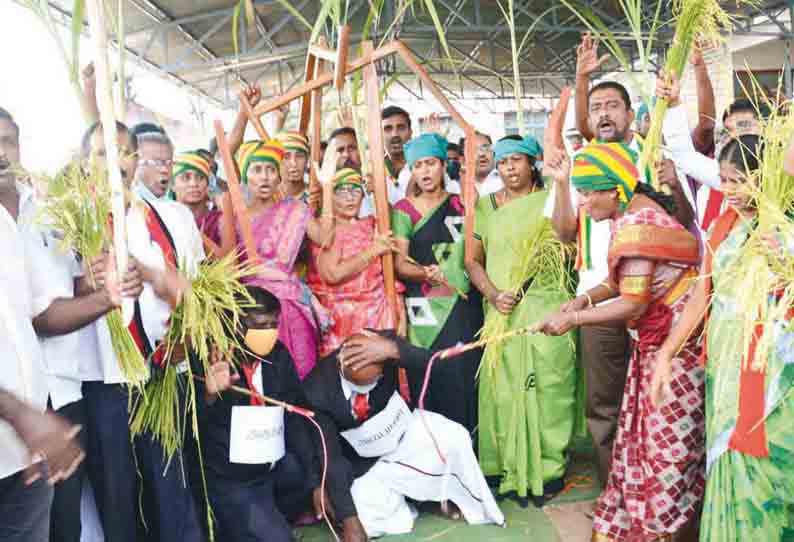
(527, 383)
(428, 227)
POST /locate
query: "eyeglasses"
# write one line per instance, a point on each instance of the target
(485, 148)
(347, 191)
(147, 162)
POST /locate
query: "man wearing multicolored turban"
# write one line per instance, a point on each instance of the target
(294, 165)
(252, 152)
(190, 174)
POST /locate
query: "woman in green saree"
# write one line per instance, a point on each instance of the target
(527, 383)
(749, 412)
(427, 226)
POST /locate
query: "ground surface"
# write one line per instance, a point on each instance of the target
(564, 519)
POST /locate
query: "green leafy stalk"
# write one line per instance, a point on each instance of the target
(542, 261)
(510, 18)
(644, 40)
(763, 274)
(77, 207)
(695, 19)
(203, 322)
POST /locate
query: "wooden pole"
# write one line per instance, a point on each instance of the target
(326, 78)
(317, 128)
(254, 118)
(306, 104)
(238, 202)
(377, 169)
(342, 47)
(107, 117)
(469, 192)
(469, 152)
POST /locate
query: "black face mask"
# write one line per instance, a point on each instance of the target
(453, 169)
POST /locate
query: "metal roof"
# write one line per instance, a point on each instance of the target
(190, 42)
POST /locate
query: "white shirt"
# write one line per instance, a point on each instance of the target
(22, 370)
(154, 311)
(492, 184)
(701, 168)
(678, 141)
(63, 354)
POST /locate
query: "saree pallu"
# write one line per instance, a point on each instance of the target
(656, 483)
(438, 316)
(210, 225)
(359, 302)
(747, 497)
(528, 400)
(279, 232)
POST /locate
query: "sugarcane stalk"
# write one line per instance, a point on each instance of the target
(96, 16)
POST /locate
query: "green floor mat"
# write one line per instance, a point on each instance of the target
(522, 523)
(582, 484)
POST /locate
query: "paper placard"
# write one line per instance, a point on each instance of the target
(381, 434)
(257, 435)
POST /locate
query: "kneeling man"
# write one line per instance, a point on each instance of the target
(382, 453)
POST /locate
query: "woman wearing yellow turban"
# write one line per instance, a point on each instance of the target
(279, 227)
(656, 482)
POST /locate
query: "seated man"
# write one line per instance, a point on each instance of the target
(255, 456)
(387, 453)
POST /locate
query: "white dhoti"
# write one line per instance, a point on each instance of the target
(415, 470)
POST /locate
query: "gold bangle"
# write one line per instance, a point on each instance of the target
(576, 318)
(589, 300)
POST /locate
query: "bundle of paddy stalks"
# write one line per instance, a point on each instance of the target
(201, 326)
(78, 208)
(695, 20)
(545, 263)
(765, 270)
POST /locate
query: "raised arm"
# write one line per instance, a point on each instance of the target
(253, 94)
(679, 141)
(587, 63)
(703, 134)
(89, 90)
(564, 220)
(321, 231)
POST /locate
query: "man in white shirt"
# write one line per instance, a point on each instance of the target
(155, 163)
(30, 297)
(604, 349)
(486, 177)
(160, 234)
(396, 125)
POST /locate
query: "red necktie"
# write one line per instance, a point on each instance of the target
(249, 370)
(360, 407)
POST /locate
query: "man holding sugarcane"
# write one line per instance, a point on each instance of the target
(163, 237)
(57, 304)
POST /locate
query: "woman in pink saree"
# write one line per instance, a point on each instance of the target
(279, 227)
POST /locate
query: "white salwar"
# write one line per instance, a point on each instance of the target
(416, 471)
